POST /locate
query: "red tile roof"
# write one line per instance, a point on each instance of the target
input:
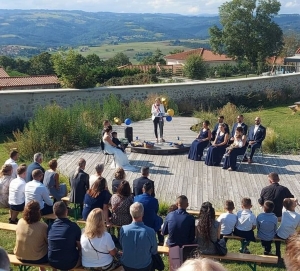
(3, 73)
(207, 55)
(28, 81)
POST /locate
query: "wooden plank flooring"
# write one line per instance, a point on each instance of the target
(175, 174)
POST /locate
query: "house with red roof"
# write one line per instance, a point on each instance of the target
(27, 82)
(208, 56)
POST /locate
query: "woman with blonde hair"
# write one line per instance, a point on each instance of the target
(158, 111)
(201, 264)
(5, 179)
(31, 236)
(98, 248)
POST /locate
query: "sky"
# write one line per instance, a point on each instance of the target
(185, 7)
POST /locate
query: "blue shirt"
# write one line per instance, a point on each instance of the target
(139, 244)
(266, 226)
(150, 204)
(181, 228)
(62, 246)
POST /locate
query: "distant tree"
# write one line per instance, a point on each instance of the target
(176, 51)
(94, 61)
(120, 59)
(195, 67)
(248, 31)
(7, 62)
(157, 57)
(22, 66)
(73, 70)
(41, 64)
(291, 43)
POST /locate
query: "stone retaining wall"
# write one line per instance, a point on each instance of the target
(22, 103)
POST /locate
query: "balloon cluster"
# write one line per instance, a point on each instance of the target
(170, 111)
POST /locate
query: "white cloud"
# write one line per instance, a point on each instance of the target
(136, 6)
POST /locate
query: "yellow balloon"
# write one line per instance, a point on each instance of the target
(170, 112)
(117, 121)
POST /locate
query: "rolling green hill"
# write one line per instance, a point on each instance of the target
(48, 28)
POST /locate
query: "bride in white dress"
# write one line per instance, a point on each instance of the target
(121, 159)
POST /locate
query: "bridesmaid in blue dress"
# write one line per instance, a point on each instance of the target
(218, 148)
(200, 143)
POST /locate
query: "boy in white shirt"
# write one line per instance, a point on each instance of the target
(266, 226)
(246, 223)
(227, 220)
(289, 222)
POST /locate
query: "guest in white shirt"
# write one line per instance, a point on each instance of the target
(16, 198)
(14, 156)
(35, 190)
(99, 170)
(228, 220)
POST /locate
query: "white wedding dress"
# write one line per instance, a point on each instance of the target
(121, 159)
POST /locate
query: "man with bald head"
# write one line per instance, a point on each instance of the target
(256, 135)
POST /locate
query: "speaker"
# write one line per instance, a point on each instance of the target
(129, 133)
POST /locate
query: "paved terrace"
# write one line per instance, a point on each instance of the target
(175, 174)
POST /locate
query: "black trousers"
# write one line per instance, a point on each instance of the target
(147, 268)
(158, 122)
(266, 245)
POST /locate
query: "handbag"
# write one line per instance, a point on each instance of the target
(157, 262)
(220, 247)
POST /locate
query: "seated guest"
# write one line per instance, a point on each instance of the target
(31, 236)
(16, 197)
(37, 161)
(227, 220)
(138, 242)
(217, 149)
(239, 123)
(79, 182)
(117, 141)
(99, 168)
(289, 222)
(35, 190)
(238, 147)
(266, 226)
(201, 264)
(216, 129)
(256, 136)
(200, 143)
(120, 204)
(97, 196)
(207, 230)
(14, 156)
(5, 179)
(120, 176)
(63, 240)
(246, 223)
(150, 204)
(4, 260)
(137, 185)
(179, 225)
(291, 256)
(51, 181)
(97, 246)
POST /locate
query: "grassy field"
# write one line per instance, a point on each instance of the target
(130, 49)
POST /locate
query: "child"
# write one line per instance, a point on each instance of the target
(117, 141)
(266, 226)
(227, 220)
(237, 143)
(289, 222)
(246, 223)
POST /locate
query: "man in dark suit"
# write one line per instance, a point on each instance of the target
(239, 123)
(215, 131)
(38, 159)
(256, 135)
(139, 182)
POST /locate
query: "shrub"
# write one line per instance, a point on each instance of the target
(163, 208)
(270, 144)
(230, 112)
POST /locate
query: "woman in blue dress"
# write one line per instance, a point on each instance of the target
(200, 143)
(238, 147)
(218, 148)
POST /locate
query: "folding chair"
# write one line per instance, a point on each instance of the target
(241, 157)
(106, 154)
(206, 149)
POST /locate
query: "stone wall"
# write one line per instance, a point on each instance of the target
(22, 103)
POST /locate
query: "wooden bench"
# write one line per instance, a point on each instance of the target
(294, 108)
(234, 237)
(26, 266)
(49, 217)
(196, 212)
(8, 227)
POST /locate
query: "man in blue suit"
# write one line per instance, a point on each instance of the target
(256, 135)
(215, 131)
(239, 123)
(38, 159)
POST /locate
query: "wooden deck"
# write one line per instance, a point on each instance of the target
(175, 174)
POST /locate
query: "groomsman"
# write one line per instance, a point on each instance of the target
(239, 123)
